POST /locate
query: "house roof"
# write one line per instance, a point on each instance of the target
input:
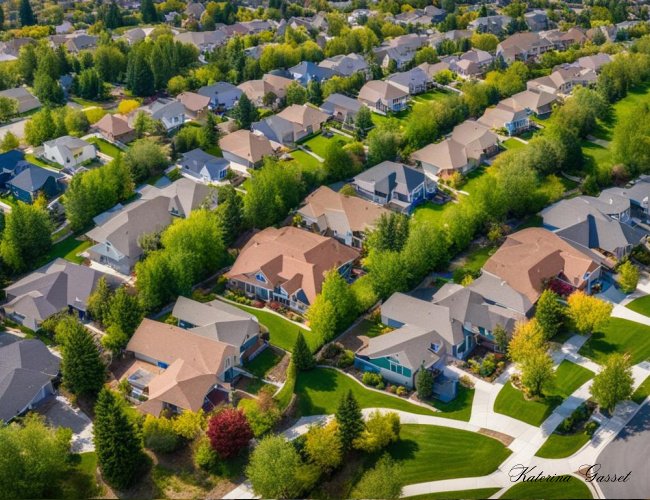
(246, 144)
(194, 102)
(345, 65)
(307, 70)
(31, 178)
(114, 125)
(291, 256)
(66, 141)
(10, 159)
(340, 101)
(25, 367)
(380, 90)
(26, 100)
(389, 175)
(183, 195)
(257, 89)
(497, 116)
(528, 99)
(416, 76)
(164, 108)
(445, 155)
(218, 88)
(303, 115)
(197, 160)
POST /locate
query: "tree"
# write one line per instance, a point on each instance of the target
(296, 94)
(387, 273)
(40, 128)
(323, 446)
(315, 92)
(229, 212)
(338, 163)
(9, 142)
(145, 158)
(363, 121)
(126, 106)
(189, 424)
(262, 413)
(337, 291)
(8, 108)
(537, 371)
(380, 430)
(148, 11)
(27, 236)
(350, 419)
(26, 14)
(614, 383)
(229, 432)
(89, 85)
(383, 144)
(500, 338)
(99, 302)
(382, 481)
(124, 312)
(424, 383)
(527, 338)
(390, 234)
(117, 443)
(209, 135)
(628, 276)
(302, 355)
(47, 89)
(275, 469)
(322, 319)
(2, 18)
(34, 458)
(83, 370)
(588, 313)
(549, 313)
(245, 112)
(159, 435)
(139, 78)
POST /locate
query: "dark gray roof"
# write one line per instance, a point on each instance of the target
(389, 175)
(31, 177)
(341, 101)
(197, 159)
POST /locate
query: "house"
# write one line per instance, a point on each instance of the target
(178, 369)
(270, 85)
(223, 95)
(288, 265)
(170, 112)
(538, 103)
(195, 10)
(563, 80)
(204, 41)
(346, 218)
(638, 192)
(341, 107)
(415, 17)
(203, 167)
(29, 181)
(306, 71)
(291, 124)
(347, 65)
(116, 237)
(414, 81)
(602, 224)
(537, 20)
(523, 46)
(497, 25)
(196, 105)
(245, 148)
(470, 64)
(513, 120)
(453, 35)
(535, 258)
(437, 14)
(433, 69)
(26, 101)
(383, 97)
(63, 28)
(394, 184)
(27, 372)
(9, 163)
(594, 62)
(134, 35)
(562, 40)
(55, 287)
(399, 50)
(69, 151)
(76, 42)
(115, 128)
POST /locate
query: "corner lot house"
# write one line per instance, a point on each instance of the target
(382, 96)
(203, 167)
(69, 151)
(55, 287)
(223, 95)
(346, 218)
(26, 101)
(291, 124)
(245, 148)
(27, 370)
(288, 265)
(115, 128)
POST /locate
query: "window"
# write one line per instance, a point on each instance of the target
(260, 277)
(396, 368)
(435, 347)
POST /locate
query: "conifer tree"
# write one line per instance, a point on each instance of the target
(549, 313)
(148, 11)
(350, 420)
(99, 302)
(27, 17)
(302, 356)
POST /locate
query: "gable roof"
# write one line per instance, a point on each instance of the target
(380, 91)
(194, 102)
(389, 175)
(197, 159)
(164, 108)
(31, 178)
(247, 145)
(114, 125)
(445, 155)
(10, 159)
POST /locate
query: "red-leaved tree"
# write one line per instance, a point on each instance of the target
(229, 432)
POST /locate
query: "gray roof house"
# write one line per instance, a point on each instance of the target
(31, 180)
(223, 95)
(413, 81)
(540, 103)
(638, 192)
(203, 167)
(506, 116)
(307, 71)
(347, 65)
(602, 224)
(27, 369)
(563, 80)
(382, 96)
(170, 112)
(394, 184)
(291, 124)
(55, 287)
(496, 25)
(205, 41)
(341, 107)
(26, 101)
(400, 49)
(537, 20)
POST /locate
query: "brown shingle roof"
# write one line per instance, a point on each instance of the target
(114, 125)
(194, 102)
(246, 144)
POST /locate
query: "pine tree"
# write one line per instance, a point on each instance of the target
(99, 302)
(350, 420)
(27, 17)
(245, 112)
(125, 311)
(2, 17)
(149, 13)
(229, 212)
(117, 443)
(139, 78)
(315, 92)
(302, 356)
(209, 134)
(549, 313)
(424, 383)
(500, 338)
(83, 371)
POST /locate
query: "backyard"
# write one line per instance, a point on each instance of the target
(430, 213)
(621, 336)
(318, 144)
(634, 99)
(513, 143)
(68, 250)
(574, 488)
(105, 147)
(263, 363)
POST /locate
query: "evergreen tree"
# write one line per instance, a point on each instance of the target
(424, 383)
(27, 236)
(350, 420)
(500, 338)
(139, 78)
(549, 313)
(99, 302)
(245, 112)
(117, 443)
(125, 312)
(229, 212)
(148, 11)
(302, 355)
(83, 371)
(315, 92)
(363, 121)
(26, 14)
(209, 133)
(112, 16)
(47, 89)
(2, 17)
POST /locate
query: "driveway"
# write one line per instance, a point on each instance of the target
(59, 413)
(17, 127)
(629, 452)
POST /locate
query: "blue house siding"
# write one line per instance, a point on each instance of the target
(248, 343)
(389, 370)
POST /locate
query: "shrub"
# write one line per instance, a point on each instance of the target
(205, 457)
(474, 366)
(371, 378)
(392, 389)
(467, 382)
(590, 428)
(401, 391)
(330, 350)
(345, 359)
(381, 385)
(159, 435)
(488, 365)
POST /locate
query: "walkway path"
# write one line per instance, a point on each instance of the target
(601, 142)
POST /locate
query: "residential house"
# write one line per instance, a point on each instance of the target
(115, 128)
(394, 184)
(562, 40)
(26, 101)
(63, 28)
(523, 46)
(196, 105)
(134, 35)
(223, 95)
(55, 287)
(341, 107)
(400, 50)
(288, 265)
(245, 148)
(75, 42)
(638, 193)
(170, 112)
(68, 151)
(497, 25)
(563, 80)
(414, 81)
(608, 32)
(27, 372)
(270, 84)
(194, 10)
(433, 69)
(437, 14)
(29, 181)
(537, 20)
(503, 116)
(307, 71)
(594, 62)
(203, 167)
(415, 17)
(538, 103)
(346, 218)
(453, 35)
(347, 65)
(9, 162)
(602, 224)
(383, 97)
(205, 41)
(291, 124)
(471, 64)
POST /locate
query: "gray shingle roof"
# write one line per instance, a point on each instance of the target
(389, 175)
(31, 177)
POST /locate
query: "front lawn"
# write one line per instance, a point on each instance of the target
(458, 409)
(263, 363)
(320, 390)
(642, 392)
(106, 147)
(562, 445)
(476, 494)
(640, 305)
(619, 335)
(574, 488)
(283, 332)
(569, 377)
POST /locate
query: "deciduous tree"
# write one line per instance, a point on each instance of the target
(628, 276)
(323, 446)
(380, 430)
(614, 383)
(229, 432)
(549, 313)
(382, 481)
(27, 236)
(588, 313)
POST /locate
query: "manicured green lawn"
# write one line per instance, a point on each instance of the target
(81, 481)
(106, 147)
(67, 249)
(569, 377)
(306, 161)
(319, 143)
(432, 95)
(642, 392)
(561, 446)
(368, 328)
(476, 257)
(597, 158)
(619, 335)
(283, 333)
(432, 453)
(632, 101)
(37, 161)
(430, 213)
(320, 390)
(86, 103)
(512, 144)
(9, 199)
(477, 494)
(640, 305)
(458, 409)
(263, 363)
(574, 488)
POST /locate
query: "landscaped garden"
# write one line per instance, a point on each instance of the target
(621, 336)
(573, 488)
(460, 408)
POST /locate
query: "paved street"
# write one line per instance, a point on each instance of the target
(18, 128)
(629, 452)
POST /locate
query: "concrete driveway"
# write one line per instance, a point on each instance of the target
(629, 452)
(17, 127)
(59, 413)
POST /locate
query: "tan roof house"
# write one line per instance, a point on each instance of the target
(540, 103)
(245, 148)
(255, 90)
(115, 128)
(196, 105)
(504, 116)
(382, 96)
(288, 265)
(343, 217)
(291, 124)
